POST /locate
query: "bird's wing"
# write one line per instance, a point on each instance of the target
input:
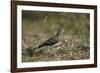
(50, 41)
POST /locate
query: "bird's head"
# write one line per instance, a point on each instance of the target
(60, 29)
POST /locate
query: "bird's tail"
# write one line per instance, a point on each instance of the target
(40, 46)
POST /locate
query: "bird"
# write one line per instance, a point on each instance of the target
(55, 38)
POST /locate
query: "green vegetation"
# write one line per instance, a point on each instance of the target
(38, 26)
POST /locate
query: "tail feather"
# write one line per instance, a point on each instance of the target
(40, 46)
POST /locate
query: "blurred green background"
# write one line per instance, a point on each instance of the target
(38, 26)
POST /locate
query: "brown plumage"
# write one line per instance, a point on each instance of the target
(54, 39)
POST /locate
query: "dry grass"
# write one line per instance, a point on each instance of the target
(68, 50)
